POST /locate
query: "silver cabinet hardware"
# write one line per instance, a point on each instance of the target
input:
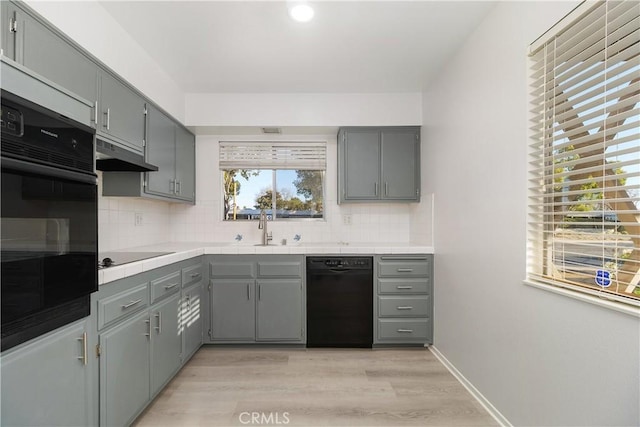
(85, 350)
(404, 270)
(194, 275)
(386, 188)
(159, 327)
(95, 113)
(407, 307)
(405, 331)
(259, 292)
(167, 287)
(375, 188)
(172, 186)
(248, 292)
(404, 287)
(131, 304)
(108, 118)
(148, 322)
(178, 187)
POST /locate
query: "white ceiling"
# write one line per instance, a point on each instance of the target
(254, 47)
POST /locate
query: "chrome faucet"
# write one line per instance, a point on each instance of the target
(262, 225)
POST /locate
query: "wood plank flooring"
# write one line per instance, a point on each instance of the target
(314, 387)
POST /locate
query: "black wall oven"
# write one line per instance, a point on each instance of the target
(49, 220)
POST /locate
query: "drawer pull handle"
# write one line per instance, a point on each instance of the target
(167, 287)
(85, 350)
(405, 331)
(404, 287)
(405, 270)
(194, 275)
(131, 304)
(406, 307)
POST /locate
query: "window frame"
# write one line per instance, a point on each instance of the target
(538, 237)
(267, 156)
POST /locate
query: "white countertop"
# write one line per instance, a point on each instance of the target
(185, 250)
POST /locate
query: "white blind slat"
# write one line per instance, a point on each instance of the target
(273, 155)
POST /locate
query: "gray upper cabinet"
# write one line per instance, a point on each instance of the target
(122, 113)
(185, 164)
(379, 164)
(47, 382)
(161, 151)
(35, 45)
(172, 149)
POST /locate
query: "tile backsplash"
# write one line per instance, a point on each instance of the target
(128, 222)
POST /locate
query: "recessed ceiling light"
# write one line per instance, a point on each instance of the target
(301, 12)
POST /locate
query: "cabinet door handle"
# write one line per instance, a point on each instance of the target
(148, 322)
(404, 270)
(386, 188)
(404, 287)
(108, 116)
(131, 304)
(172, 186)
(194, 275)
(85, 351)
(95, 113)
(159, 327)
(178, 187)
(405, 331)
(167, 287)
(406, 307)
(375, 188)
(248, 292)
(259, 292)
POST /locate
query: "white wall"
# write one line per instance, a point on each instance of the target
(89, 25)
(303, 109)
(369, 222)
(540, 358)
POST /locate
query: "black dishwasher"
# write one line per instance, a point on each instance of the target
(339, 302)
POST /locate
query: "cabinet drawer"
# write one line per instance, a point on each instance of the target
(417, 306)
(403, 286)
(279, 269)
(121, 305)
(232, 269)
(400, 268)
(191, 275)
(403, 330)
(165, 286)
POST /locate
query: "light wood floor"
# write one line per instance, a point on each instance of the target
(314, 387)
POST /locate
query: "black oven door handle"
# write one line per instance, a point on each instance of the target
(54, 172)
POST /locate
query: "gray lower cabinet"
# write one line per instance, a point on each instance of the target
(124, 371)
(257, 299)
(279, 310)
(379, 164)
(166, 343)
(233, 310)
(403, 299)
(47, 381)
(192, 318)
(147, 325)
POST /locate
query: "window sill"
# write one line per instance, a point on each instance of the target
(591, 299)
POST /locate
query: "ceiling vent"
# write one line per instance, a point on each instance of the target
(271, 130)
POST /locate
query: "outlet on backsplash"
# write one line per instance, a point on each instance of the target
(138, 219)
(346, 219)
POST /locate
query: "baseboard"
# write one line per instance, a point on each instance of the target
(501, 419)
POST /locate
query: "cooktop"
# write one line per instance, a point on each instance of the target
(113, 259)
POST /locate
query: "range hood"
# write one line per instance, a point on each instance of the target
(112, 158)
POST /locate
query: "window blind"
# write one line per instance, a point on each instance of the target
(273, 155)
(584, 164)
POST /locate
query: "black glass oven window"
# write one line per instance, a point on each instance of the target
(49, 235)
